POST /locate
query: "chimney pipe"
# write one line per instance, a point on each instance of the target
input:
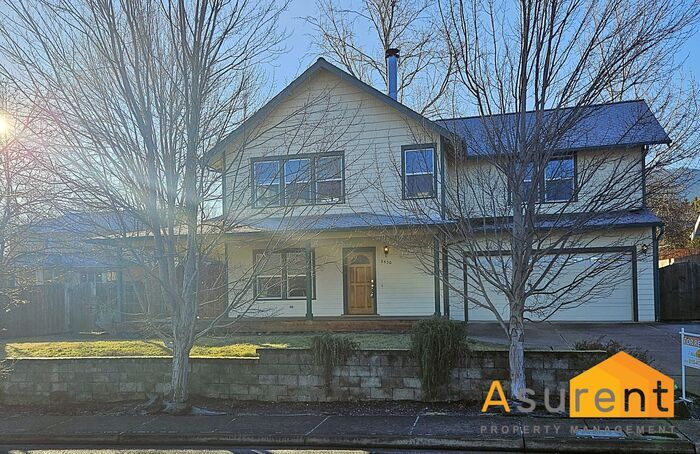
(392, 63)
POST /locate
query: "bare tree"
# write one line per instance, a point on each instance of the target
(28, 193)
(673, 98)
(146, 96)
(141, 92)
(534, 74)
(341, 33)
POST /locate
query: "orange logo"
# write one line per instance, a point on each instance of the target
(621, 387)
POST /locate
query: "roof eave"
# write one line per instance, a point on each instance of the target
(666, 141)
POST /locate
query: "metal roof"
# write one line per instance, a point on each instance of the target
(621, 124)
(88, 223)
(583, 221)
(341, 221)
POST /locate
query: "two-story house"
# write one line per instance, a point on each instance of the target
(315, 182)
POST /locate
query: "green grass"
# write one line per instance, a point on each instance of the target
(214, 347)
(240, 346)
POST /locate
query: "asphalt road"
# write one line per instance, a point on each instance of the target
(231, 450)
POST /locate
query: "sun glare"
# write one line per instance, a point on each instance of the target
(4, 125)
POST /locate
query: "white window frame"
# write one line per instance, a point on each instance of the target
(340, 178)
(572, 178)
(433, 173)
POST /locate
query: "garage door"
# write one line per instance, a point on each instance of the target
(602, 290)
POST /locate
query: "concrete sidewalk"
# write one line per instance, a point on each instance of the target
(421, 431)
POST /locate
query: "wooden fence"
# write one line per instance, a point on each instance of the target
(680, 291)
(59, 308)
(34, 311)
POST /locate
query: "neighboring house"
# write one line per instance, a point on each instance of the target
(319, 166)
(63, 252)
(71, 249)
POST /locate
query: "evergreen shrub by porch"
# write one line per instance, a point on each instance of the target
(330, 351)
(438, 345)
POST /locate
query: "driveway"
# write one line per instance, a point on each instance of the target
(661, 340)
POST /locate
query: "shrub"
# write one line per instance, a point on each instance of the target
(330, 351)
(438, 345)
(611, 347)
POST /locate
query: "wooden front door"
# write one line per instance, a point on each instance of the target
(359, 282)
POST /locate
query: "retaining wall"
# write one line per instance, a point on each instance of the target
(277, 375)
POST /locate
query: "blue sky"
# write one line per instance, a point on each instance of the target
(301, 54)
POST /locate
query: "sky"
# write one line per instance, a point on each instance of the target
(300, 53)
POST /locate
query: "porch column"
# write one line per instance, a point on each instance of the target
(445, 280)
(436, 273)
(309, 282)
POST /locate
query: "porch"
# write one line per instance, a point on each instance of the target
(331, 281)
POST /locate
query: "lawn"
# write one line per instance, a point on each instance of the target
(240, 346)
(213, 347)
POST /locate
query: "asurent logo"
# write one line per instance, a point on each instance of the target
(619, 387)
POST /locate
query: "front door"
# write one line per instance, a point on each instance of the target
(359, 281)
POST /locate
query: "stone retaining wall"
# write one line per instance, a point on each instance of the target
(277, 375)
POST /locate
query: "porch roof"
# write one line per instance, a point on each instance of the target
(612, 219)
(337, 221)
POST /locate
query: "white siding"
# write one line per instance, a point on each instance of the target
(404, 286)
(328, 114)
(600, 174)
(612, 303)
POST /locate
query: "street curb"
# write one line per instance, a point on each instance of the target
(135, 439)
(513, 444)
(598, 445)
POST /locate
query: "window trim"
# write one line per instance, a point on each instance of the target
(423, 146)
(254, 183)
(316, 180)
(539, 185)
(309, 182)
(285, 275)
(574, 192)
(282, 159)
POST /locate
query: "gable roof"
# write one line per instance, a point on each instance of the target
(323, 65)
(621, 124)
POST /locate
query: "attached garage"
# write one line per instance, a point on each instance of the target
(596, 286)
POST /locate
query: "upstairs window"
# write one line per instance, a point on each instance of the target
(419, 173)
(559, 179)
(329, 179)
(556, 185)
(268, 189)
(298, 180)
(282, 275)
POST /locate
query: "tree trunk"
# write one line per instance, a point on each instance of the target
(516, 355)
(183, 340)
(180, 378)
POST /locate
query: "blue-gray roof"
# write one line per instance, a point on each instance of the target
(621, 124)
(340, 221)
(582, 221)
(87, 224)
